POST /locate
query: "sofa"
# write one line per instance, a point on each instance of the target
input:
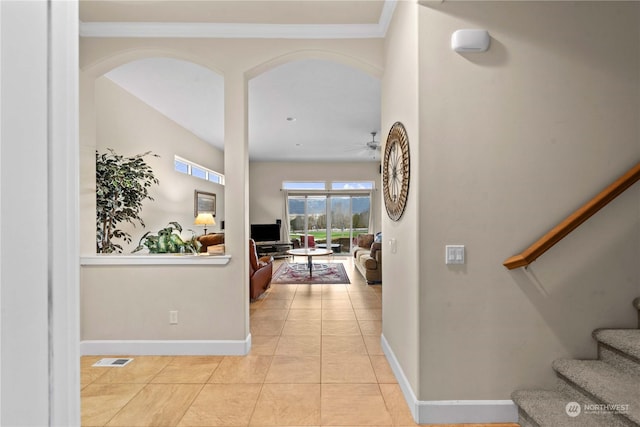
(260, 271)
(367, 256)
(212, 243)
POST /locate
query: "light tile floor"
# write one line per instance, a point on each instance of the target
(315, 360)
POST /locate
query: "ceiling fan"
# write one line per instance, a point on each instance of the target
(369, 148)
(373, 144)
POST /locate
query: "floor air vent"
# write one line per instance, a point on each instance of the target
(112, 363)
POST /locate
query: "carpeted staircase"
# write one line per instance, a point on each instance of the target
(601, 387)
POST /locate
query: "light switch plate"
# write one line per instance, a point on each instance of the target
(393, 245)
(454, 254)
(173, 317)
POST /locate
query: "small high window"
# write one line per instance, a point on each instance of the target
(352, 185)
(189, 168)
(304, 185)
(198, 172)
(217, 178)
(181, 166)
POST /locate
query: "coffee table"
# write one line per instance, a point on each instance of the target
(309, 253)
(334, 246)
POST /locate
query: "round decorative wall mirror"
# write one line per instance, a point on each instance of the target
(395, 171)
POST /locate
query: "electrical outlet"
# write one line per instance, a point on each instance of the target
(173, 317)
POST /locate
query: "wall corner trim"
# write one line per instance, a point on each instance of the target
(166, 347)
(449, 411)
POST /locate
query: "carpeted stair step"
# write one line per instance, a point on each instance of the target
(600, 383)
(545, 408)
(619, 348)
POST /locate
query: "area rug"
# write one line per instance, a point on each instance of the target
(323, 273)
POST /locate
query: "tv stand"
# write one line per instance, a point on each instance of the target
(276, 249)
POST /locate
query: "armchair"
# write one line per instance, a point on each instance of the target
(311, 242)
(260, 271)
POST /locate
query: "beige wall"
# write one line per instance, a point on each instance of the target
(224, 294)
(512, 141)
(129, 126)
(400, 278)
(133, 303)
(265, 181)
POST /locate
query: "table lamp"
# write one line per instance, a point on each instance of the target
(205, 219)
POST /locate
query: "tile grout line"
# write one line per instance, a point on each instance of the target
(267, 371)
(146, 384)
(192, 402)
(126, 404)
(255, 405)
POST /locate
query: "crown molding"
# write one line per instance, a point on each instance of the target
(239, 31)
(235, 31)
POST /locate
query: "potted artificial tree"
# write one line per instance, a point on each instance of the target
(122, 184)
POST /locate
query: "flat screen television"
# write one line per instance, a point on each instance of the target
(265, 232)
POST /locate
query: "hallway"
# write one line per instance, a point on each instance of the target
(315, 360)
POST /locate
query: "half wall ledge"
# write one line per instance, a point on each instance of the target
(160, 259)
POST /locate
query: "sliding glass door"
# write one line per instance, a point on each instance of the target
(340, 234)
(332, 220)
(361, 214)
(308, 217)
(297, 217)
(317, 218)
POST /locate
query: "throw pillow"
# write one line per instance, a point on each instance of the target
(375, 247)
(365, 240)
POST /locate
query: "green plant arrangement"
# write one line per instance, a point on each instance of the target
(122, 184)
(167, 241)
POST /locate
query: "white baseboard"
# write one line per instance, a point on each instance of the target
(409, 395)
(467, 411)
(166, 348)
(449, 411)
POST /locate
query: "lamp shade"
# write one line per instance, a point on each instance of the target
(205, 219)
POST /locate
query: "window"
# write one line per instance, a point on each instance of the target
(215, 177)
(189, 168)
(322, 185)
(304, 185)
(181, 166)
(332, 212)
(352, 185)
(198, 172)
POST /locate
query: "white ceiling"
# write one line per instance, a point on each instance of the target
(335, 107)
(187, 93)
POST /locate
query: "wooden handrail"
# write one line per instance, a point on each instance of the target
(556, 234)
